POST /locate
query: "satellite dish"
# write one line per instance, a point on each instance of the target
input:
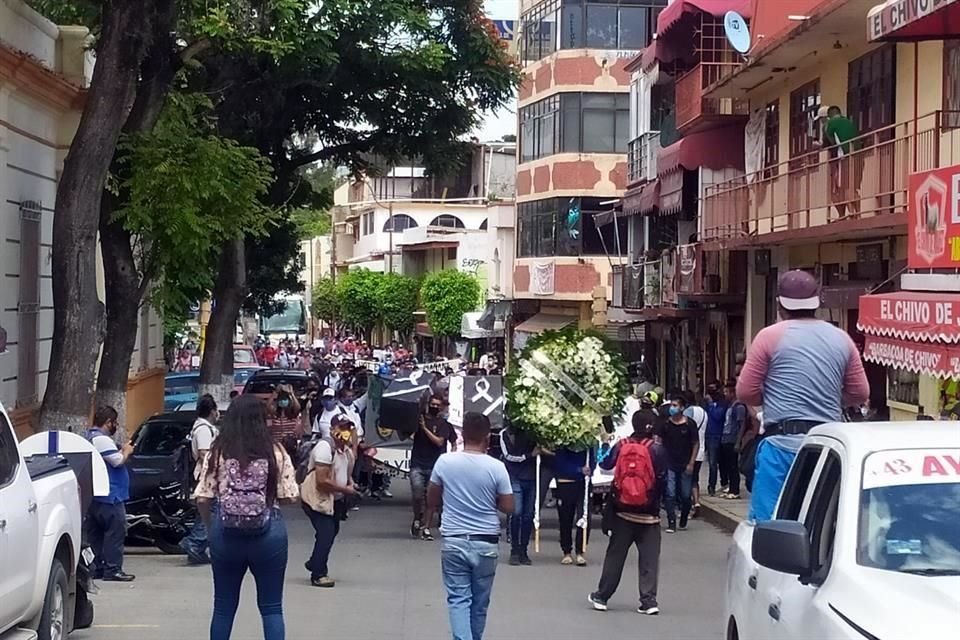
(737, 32)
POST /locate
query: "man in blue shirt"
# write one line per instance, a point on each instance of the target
(716, 417)
(472, 487)
(107, 518)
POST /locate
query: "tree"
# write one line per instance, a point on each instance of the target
(447, 295)
(140, 46)
(324, 304)
(398, 302)
(358, 299)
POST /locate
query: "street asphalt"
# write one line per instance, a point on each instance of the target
(389, 587)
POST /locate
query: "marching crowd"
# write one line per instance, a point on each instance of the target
(310, 449)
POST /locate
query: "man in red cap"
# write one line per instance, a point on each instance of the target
(801, 370)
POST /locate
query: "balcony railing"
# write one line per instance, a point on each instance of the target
(642, 157)
(815, 189)
(693, 108)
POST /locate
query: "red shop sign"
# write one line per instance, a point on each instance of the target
(933, 219)
(932, 359)
(911, 315)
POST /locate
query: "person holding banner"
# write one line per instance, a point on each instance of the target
(429, 442)
(571, 470)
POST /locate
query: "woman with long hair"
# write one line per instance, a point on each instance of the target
(244, 479)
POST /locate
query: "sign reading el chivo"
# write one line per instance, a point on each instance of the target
(892, 16)
(933, 219)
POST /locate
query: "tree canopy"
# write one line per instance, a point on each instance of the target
(447, 295)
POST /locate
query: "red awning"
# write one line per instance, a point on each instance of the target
(701, 150)
(910, 20)
(672, 14)
(929, 358)
(642, 200)
(911, 315)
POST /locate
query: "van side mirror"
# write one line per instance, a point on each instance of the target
(784, 546)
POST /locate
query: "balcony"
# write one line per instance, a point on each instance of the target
(642, 157)
(682, 278)
(694, 111)
(862, 192)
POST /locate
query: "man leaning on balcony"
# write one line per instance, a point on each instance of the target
(846, 166)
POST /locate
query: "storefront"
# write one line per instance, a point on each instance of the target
(915, 332)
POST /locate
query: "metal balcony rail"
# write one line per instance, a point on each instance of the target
(816, 188)
(642, 157)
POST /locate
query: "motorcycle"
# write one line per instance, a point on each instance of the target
(160, 520)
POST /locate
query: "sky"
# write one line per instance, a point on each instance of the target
(499, 124)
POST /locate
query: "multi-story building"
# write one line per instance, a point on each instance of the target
(44, 70)
(839, 211)
(408, 222)
(681, 142)
(573, 111)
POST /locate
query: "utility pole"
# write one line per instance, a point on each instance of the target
(333, 269)
(391, 222)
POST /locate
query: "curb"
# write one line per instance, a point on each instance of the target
(718, 517)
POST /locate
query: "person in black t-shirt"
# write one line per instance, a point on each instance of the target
(681, 439)
(429, 442)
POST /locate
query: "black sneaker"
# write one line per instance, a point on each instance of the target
(683, 523)
(515, 559)
(648, 610)
(598, 603)
(671, 527)
(525, 559)
(426, 535)
(415, 529)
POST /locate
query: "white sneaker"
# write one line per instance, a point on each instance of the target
(386, 494)
(648, 611)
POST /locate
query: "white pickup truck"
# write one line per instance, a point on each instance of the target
(40, 529)
(865, 544)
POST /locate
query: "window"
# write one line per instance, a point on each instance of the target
(771, 139)
(367, 221)
(447, 220)
(565, 227)
(483, 225)
(593, 24)
(903, 386)
(821, 520)
(871, 89)
(399, 222)
(9, 456)
(451, 253)
(804, 103)
(798, 480)
(951, 83)
(162, 438)
(540, 129)
(574, 123)
(28, 308)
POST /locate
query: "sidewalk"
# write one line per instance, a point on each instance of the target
(726, 514)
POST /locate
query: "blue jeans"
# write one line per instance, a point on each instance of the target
(195, 543)
(679, 489)
(521, 522)
(265, 555)
(468, 568)
(419, 479)
(713, 462)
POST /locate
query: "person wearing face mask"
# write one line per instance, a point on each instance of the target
(202, 435)
(328, 404)
(283, 418)
(429, 442)
(681, 439)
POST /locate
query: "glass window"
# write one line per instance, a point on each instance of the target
(398, 223)
(798, 480)
(9, 455)
(599, 131)
(634, 27)
(571, 29)
(951, 83)
(601, 26)
(903, 386)
(447, 220)
(571, 122)
(804, 104)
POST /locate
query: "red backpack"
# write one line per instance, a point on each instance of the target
(634, 478)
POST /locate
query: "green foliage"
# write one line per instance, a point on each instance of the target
(358, 299)
(446, 296)
(324, 304)
(311, 223)
(68, 12)
(398, 302)
(186, 191)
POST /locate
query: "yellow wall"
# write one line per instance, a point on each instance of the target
(144, 396)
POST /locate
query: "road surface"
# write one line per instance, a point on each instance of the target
(389, 587)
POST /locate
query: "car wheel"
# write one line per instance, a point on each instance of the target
(53, 620)
(732, 632)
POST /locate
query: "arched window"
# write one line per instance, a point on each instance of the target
(399, 222)
(446, 220)
(483, 225)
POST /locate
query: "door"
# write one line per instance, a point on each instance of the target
(790, 608)
(766, 584)
(871, 105)
(19, 529)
